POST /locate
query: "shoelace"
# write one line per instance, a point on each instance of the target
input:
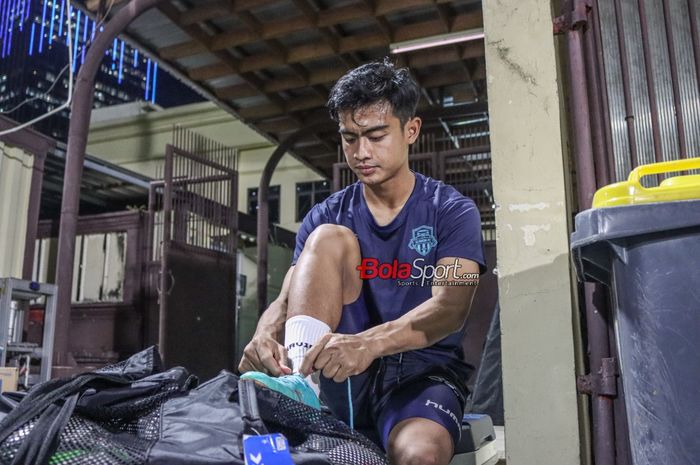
(350, 407)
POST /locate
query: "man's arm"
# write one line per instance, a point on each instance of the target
(264, 352)
(436, 318)
(341, 355)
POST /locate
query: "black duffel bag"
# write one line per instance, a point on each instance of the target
(134, 413)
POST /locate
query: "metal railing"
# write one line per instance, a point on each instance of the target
(463, 161)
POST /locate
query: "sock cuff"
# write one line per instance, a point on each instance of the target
(303, 331)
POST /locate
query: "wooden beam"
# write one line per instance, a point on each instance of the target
(345, 14)
(266, 111)
(330, 75)
(385, 7)
(327, 18)
(181, 50)
(205, 12)
(300, 54)
(236, 91)
(204, 73)
(440, 56)
(259, 112)
(271, 30)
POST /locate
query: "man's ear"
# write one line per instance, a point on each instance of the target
(413, 129)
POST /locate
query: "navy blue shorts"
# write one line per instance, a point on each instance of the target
(395, 388)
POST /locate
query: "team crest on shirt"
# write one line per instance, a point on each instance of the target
(423, 240)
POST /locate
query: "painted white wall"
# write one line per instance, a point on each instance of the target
(15, 185)
(528, 152)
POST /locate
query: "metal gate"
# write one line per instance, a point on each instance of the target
(193, 230)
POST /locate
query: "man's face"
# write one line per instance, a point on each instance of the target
(374, 143)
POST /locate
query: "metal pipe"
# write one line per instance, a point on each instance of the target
(602, 174)
(695, 35)
(670, 42)
(33, 216)
(585, 170)
(651, 84)
(594, 25)
(602, 406)
(77, 140)
(629, 109)
(264, 207)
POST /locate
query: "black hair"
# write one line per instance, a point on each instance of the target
(373, 83)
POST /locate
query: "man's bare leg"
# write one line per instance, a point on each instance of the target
(419, 441)
(324, 279)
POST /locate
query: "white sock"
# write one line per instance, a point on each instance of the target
(300, 334)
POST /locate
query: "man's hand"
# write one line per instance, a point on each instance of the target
(338, 356)
(265, 354)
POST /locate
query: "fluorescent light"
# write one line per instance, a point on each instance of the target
(437, 41)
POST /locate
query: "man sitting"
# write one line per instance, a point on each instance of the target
(380, 286)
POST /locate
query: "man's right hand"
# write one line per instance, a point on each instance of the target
(265, 354)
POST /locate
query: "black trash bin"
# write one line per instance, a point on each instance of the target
(649, 257)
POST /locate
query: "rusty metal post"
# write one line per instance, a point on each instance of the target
(263, 229)
(600, 150)
(164, 279)
(33, 215)
(587, 128)
(81, 109)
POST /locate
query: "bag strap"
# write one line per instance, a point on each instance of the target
(42, 442)
(248, 400)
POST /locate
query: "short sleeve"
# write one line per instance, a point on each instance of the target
(459, 232)
(311, 221)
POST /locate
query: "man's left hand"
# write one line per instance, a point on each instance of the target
(338, 356)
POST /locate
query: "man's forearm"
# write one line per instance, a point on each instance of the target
(422, 327)
(272, 320)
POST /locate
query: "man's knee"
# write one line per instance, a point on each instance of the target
(416, 454)
(332, 238)
(419, 441)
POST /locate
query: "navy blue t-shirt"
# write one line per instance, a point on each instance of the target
(436, 222)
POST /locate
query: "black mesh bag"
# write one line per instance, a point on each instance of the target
(134, 413)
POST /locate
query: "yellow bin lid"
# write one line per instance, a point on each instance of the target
(631, 192)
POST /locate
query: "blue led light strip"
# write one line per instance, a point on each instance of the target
(41, 32)
(121, 63)
(6, 27)
(22, 7)
(75, 40)
(7, 43)
(53, 14)
(155, 81)
(2, 15)
(31, 39)
(85, 29)
(3, 20)
(148, 78)
(12, 26)
(60, 19)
